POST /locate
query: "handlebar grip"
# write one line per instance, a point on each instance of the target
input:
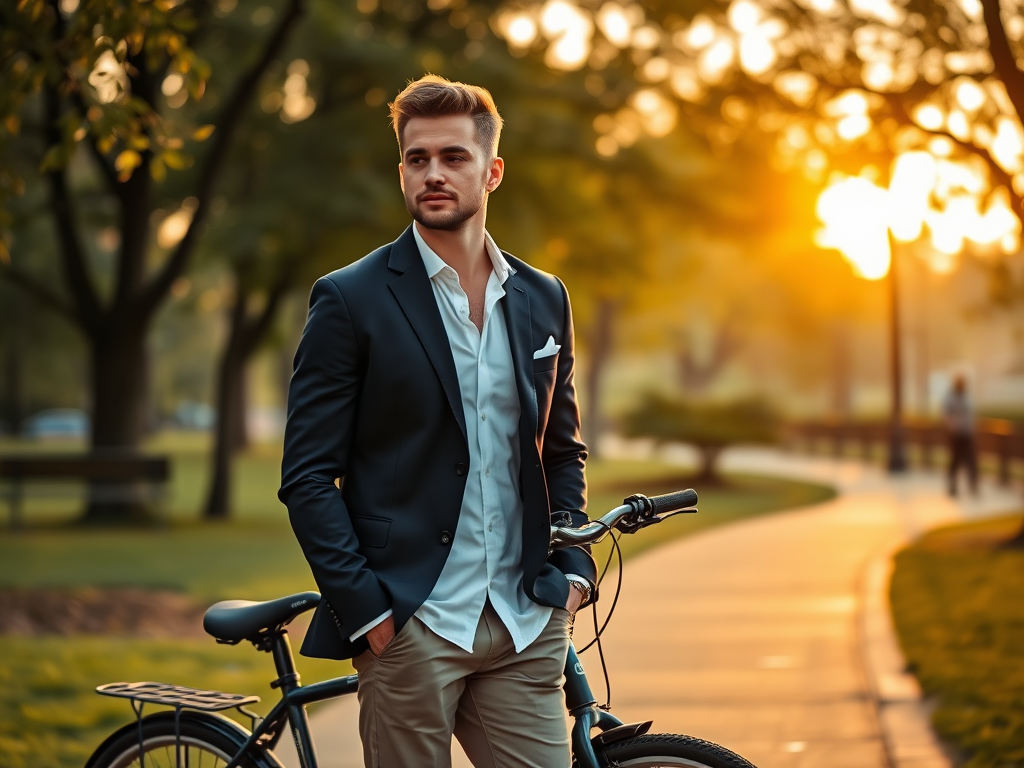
(670, 502)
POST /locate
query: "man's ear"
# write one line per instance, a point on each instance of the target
(495, 174)
(401, 178)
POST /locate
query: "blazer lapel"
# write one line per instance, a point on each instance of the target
(520, 338)
(416, 297)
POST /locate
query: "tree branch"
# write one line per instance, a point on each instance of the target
(106, 168)
(1000, 176)
(256, 328)
(1002, 56)
(72, 255)
(41, 293)
(217, 156)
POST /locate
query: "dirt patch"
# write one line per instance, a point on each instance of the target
(121, 611)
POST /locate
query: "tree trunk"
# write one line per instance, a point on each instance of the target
(244, 336)
(601, 343)
(238, 402)
(842, 388)
(230, 411)
(14, 366)
(119, 373)
(707, 472)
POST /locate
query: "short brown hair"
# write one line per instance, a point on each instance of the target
(433, 96)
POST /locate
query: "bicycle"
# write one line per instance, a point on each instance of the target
(194, 735)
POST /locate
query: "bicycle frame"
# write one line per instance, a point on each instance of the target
(579, 700)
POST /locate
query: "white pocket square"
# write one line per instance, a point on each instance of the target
(548, 349)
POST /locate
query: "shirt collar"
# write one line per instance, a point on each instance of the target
(435, 264)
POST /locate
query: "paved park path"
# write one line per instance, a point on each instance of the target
(769, 636)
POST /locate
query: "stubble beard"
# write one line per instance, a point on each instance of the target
(446, 221)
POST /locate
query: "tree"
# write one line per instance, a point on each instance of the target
(709, 427)
(85, 95)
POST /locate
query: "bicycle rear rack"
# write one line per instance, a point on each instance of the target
(179, 697)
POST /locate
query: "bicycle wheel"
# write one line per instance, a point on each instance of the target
(204, 743)
(669, 749)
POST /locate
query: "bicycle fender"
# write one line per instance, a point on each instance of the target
(621, 732)
(225, 725)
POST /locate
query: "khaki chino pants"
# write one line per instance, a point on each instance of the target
(506, 709)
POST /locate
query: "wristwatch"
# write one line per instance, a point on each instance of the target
(582, 585)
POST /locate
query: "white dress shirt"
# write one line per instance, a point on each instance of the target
(486, 557)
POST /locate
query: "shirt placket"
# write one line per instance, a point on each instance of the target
(486, 448)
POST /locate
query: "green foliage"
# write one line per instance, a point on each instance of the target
(88, 55)
(956, 600)
(710, 425)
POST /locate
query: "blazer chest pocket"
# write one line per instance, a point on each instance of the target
(546, 363)
(371, 531)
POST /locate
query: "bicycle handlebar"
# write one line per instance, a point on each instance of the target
(635, 513)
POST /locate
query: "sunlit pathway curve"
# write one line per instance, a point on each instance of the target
(749, 634)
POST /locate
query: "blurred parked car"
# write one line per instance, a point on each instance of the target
(57, 423)
(192, 415)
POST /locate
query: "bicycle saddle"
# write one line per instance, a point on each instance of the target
(235, 620)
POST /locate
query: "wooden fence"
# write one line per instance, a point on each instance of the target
(1000, 442)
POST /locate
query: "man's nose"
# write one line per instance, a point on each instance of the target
(434, 173)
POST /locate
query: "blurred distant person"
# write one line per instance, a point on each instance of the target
(432, 431)
(959, 415)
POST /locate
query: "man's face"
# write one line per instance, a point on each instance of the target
(446, 175)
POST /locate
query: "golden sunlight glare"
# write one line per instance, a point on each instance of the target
(521, 30)
(557, 16)
(614, 24)
(913, 179)
(173, 228)
(929, 117)
(700, 34)
(1008, 144)
(744, 15)
(757, 54)
(715, 61)
(108, 78)
(854, 213)
(569, 29)
(969, 95)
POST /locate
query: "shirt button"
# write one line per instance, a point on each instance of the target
(483, 417)
(487, 472)
(460, 469)
(446, 537)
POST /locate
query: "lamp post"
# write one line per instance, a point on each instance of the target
(866, 223)
(897, 460)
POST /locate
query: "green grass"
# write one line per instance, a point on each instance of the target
(49, 716)
(958, 608)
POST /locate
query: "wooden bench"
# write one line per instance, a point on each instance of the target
(112, 476)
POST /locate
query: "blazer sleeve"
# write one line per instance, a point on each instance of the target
(564, 455)
(322, 401)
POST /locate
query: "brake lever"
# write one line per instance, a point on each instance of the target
(641, 520)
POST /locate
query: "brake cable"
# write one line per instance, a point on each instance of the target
(599, 630)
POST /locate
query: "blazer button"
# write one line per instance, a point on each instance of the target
(446, 538)
(460, 469)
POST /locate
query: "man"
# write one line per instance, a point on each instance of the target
(434, 387)
(959, 415)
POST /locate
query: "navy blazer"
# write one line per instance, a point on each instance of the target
(374, 402)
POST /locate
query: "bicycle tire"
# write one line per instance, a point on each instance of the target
(669, 750)
(209, 742)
